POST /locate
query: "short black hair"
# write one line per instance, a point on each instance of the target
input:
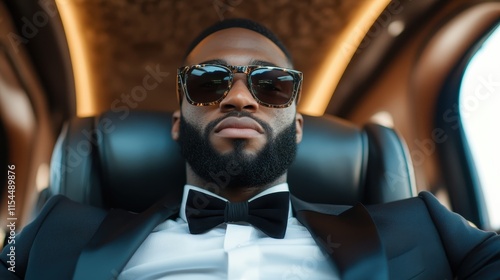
(239, 23)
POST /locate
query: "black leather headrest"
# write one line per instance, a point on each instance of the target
(130, 161)
(340, 163)
(331, 162)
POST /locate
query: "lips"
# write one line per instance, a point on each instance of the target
(234, 127)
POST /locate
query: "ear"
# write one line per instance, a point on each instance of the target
(176, 121)
(299, 124)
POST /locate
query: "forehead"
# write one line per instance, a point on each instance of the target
(237, 46)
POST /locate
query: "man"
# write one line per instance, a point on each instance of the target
(238, 98)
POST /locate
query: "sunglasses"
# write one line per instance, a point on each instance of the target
(209, 84)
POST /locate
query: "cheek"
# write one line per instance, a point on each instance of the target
(193, 115)
(282, 119)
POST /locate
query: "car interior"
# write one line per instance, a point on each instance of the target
(87, 91)
(105, 162)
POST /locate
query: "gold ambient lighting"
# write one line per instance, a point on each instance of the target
(79, 57)
(343, 48)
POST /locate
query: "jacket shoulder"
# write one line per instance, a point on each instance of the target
(472, 253)
(55, 236)
(423, 224)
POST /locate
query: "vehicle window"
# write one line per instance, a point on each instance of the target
(479, 105)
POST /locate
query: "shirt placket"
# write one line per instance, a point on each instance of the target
(243, 259)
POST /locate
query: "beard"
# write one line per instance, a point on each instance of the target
(237, 169)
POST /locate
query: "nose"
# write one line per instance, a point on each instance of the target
(239, 98)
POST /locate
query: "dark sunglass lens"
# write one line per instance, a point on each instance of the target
(207, 83)
(272, 86)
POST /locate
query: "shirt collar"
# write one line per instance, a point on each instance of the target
(283, 187)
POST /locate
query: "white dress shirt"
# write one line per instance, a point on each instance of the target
(229, 251)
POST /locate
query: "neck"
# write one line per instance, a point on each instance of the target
(233, 194)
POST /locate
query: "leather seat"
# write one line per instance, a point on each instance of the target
(128, 160)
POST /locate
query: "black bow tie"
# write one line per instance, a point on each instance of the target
(269, 213)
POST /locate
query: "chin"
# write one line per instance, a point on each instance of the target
(246, 147)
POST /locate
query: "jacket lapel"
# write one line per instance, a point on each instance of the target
(349, 237)
(119, 236)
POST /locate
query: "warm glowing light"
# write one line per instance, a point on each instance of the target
(396, 27)
(79, 58)
(42, 177)
(341, 52)
(383, 118)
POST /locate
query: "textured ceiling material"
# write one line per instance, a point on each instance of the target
(126, 37)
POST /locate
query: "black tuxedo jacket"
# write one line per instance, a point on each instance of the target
(415, 238)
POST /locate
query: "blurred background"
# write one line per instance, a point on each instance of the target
(410, 65)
